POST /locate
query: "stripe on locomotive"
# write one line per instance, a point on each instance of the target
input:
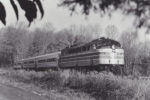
(87, 62)
(84, 58)
(90, 56)
(95, 53)
(90, 60)
(91, 53)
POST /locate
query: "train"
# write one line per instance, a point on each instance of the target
(99, 54)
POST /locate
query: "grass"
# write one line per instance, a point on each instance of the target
(101, 86)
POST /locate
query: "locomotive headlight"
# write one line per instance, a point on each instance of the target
(113, 46)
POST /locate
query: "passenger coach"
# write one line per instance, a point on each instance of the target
(43, 62)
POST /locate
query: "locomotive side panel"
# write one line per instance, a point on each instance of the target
(76, 60)
(94, 58)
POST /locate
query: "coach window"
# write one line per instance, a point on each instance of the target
(63, 52)
(71, 51)
(66, 52)
(80, 49)
(75, 50)
(91, 47)
(54, 59)
(88, 48)
(51, 60)
(25, 62)
(84, 49)
(48, 60)
(30, 62)
(41, 61)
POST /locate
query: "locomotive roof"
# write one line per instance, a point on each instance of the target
(103, 41)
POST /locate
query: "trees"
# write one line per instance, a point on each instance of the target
(14, 43)
(136, 54)
(29, 6)
(130, 46)
(41, 39)
(111, 32)
(139, 8)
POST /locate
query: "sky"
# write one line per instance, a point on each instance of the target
(60, 18)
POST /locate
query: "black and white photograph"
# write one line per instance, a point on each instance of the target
(74, 49)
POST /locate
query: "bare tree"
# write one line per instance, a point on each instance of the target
(14, 43)
(129, 44)
(111, 32)
(40, 41)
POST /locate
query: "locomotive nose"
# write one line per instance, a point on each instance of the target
(113, 47)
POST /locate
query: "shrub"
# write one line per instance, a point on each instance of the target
(103, 86)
